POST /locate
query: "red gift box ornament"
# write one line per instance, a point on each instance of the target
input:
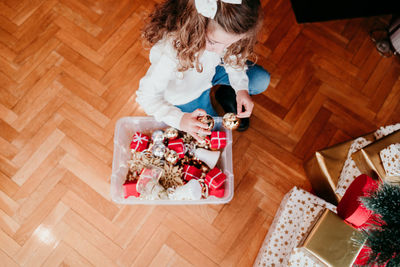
(177, 145)
(218, 140)
(215, 178)
(220, 192)
(130, 189)
(191, 172)
(139, 142)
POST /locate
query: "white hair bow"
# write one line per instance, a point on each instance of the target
(208, 8)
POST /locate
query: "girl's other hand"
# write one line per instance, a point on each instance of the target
(191, 125)
(243, 99)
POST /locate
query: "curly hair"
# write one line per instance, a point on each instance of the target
(180, 21)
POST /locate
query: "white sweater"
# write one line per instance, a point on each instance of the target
(163, 86)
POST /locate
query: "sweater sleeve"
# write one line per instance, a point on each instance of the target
(237, 77)
(152, 86)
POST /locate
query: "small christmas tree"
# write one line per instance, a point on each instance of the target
(384, 235)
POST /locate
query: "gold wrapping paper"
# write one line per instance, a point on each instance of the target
(330, 241)
(324, 168)
(368, 159)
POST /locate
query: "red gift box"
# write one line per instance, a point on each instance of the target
(217, 192)
(218, 140)
(215, 178)
(191, 172)
(139, 141)
(350, 208)
(130, 189)
(177, 146)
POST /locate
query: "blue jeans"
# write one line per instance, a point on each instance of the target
(259, 80)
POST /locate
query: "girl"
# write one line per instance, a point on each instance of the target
(197, 44)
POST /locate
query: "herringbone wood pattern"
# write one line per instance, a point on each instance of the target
(69, 70)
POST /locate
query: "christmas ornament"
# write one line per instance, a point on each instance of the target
(230, 121)
(191, 172)
(131, 176)
(130, 189)
(204, 143)
(215, 178)
(204, 188)
(187, 138)
(149, 173)
(171, 156)
(139, 161)
(157, 136)
(177, 145)
(172, 176)
(220, 192)
(207, 119)
(171, 133)
(185, 160)
(139, 142)
(189, 149)
(158, 150)
(205, 168)
(153, 191)
(192, 190)
(218, 140)
(208, 157)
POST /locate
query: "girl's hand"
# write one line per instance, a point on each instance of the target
(191, 125)
(243, 99)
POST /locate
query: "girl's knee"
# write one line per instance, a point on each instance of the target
(259, 80)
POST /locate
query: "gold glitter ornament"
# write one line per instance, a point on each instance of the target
(172, 176)
(187, 138)
(205, 143)
(230, 121)
(207, 119)
(172, 157)
(171, 133)
(205, 168)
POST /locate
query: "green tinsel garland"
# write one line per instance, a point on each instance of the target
(384, 240)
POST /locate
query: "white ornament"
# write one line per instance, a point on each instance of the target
(189, 191)
(208, 157)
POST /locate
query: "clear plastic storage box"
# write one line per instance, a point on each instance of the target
(124, 130)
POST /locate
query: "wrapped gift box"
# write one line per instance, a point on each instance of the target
(323, 169)
(191, 172)
(218, 140)
(215, 178)
(331, 241)
(139, 141)
(219, 192)
(130, 189)
(177, 145)
(297, 212)
(368, 159)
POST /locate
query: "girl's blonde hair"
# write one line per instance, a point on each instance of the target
(180, 20)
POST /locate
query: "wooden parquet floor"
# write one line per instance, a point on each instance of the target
(69, 70)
